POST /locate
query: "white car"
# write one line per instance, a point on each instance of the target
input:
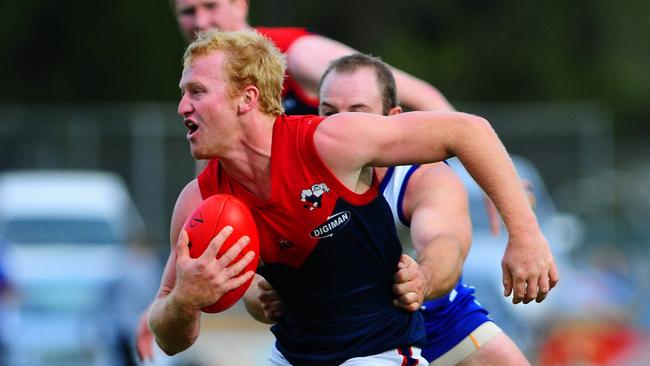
(66, 234)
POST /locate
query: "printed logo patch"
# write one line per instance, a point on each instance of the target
(333, 224)
(312, 197)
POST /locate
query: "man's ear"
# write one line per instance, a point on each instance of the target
(395, 110)
(248, 99)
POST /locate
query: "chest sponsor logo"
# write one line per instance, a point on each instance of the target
(333, 224)
(312, 197)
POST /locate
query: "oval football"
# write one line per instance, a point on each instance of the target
(212, 215)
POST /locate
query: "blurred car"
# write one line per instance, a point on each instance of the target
(66, 234)
(482, 268)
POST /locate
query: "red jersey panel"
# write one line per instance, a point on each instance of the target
(301, 187)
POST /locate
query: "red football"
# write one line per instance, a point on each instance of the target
(206, 221)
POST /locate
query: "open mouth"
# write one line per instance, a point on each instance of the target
(191, 126)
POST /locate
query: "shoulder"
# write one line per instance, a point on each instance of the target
(432, 183)
(283, 37)
(190, 196)
(188, 200)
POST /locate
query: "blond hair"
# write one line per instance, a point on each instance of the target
(251, 59)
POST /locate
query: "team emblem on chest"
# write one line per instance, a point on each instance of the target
(312, 197)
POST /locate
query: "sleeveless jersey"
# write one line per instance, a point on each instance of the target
(294, 98)
(329, 252)
(448, 319)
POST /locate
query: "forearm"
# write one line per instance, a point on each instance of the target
(442, 263)
(419, 95)
(486, 159)
(175, 328)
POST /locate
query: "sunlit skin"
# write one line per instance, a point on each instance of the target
(349, 92)
(205, 106)
(194, 16)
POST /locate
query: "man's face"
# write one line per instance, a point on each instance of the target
(350, 92)
(194, 16)
(206, 107)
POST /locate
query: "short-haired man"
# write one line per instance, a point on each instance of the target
(429, 207)
(336, 283)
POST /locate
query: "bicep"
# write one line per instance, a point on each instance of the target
(441, 210)
(417, 94)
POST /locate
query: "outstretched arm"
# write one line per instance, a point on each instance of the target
(435, 203)
(309, 56)
(348, 142)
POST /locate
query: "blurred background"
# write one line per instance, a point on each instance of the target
(93, 156)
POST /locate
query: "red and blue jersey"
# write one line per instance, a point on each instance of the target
(295, 100)
(329, 252)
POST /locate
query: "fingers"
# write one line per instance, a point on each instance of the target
(232, 252)
(272, 308)
(409, 302)
(554, 276)
(404, 261)
(409, 285)
(182, 248)
(544, 288)
(263, 284)
(216, 242)
(507, 280)
(518, 288)
(234, 269)
(528, 287)
(270, 301)
(532, 289)
(238, 281)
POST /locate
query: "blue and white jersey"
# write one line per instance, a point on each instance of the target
(393, 187)
(448, 319)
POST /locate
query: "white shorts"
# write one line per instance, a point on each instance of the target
(404, 356)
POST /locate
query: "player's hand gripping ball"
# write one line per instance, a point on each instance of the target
(206, 221)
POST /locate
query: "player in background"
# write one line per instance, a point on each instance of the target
(308, 54)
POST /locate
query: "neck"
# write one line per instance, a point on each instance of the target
(250, 162)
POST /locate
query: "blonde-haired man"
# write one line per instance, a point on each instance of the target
(333, 265)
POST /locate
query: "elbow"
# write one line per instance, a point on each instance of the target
(176, 348)
(473, 128)
(480, 123)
